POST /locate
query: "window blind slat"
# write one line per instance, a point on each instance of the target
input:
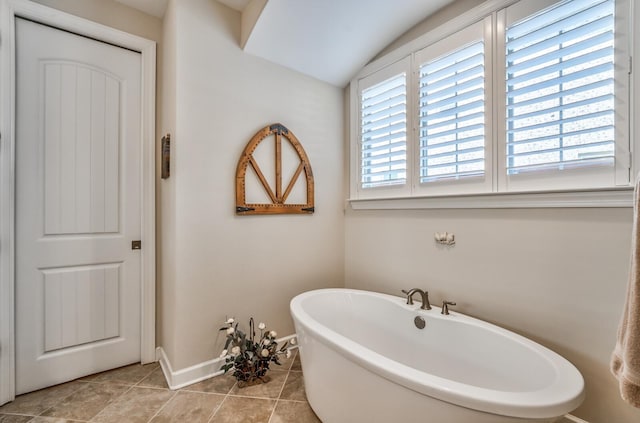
(386, 131)
(425, 148)
(458, 121)
(581, 89)
(560, 108)
(383, 167)
(585, 117)
(449, 176)
(583, 60)
(388, 149)
(554, 21)
(529, 140)
(602, 24)
(383, 128)
(455, 131)
(476, 79)
(456, 110)
(456, 163)
(390, 88)
(452, 102)
(537, 87)
(564, 148)
(436, 86)
(558, 53)
(384, 120)
(560, 87)
(460, 151)
(383, 105)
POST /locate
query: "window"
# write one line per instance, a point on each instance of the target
(383, 116)
(384, 132)
(452, 130)
(533, 97)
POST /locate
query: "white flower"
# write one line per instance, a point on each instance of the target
(230, 331)
(265, 353)
(235, 350)
(288, 354)
(293, 341)
(261, 326)
(266, 341)
(273, 334)
(230, 320)
(223, 353)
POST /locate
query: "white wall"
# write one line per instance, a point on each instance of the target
(220, 264)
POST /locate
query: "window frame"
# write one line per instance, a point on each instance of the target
(384, 73)
(478, 184)
(496, 192)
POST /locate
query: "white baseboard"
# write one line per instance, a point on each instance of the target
(575, 419)
(190, 375)
(177, 379)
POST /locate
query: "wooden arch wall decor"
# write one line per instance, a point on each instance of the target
(278, 197)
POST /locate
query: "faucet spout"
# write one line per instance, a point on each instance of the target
(423, 294)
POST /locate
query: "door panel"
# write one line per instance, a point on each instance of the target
(78, 203)
(81, 181)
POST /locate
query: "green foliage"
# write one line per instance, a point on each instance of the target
(247, 355)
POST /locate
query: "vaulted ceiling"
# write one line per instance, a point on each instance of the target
(330, 40)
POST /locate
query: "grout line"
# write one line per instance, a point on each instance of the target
(175, 393)
(273, 411)
(215, 410)
(61, 399)
(111, 401)
(280, 394)
(218, 408)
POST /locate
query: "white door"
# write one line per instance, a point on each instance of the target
(78, 206)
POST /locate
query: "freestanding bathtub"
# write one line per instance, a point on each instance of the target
(364, 360)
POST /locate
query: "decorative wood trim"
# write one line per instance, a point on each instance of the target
(278, 198)
(9, 9)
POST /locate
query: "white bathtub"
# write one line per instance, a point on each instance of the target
(364, 360)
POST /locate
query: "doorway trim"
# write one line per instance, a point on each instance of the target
(9, 10)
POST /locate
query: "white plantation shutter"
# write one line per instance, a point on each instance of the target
(383, 128)
(560, 93)
(452, 115)
(512, 97)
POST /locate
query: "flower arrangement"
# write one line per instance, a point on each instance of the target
(249, 356)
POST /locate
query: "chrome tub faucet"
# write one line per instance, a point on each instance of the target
(424, 294)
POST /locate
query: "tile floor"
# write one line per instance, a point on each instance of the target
(138, 393)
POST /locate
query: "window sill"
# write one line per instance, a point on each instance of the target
(613, 197)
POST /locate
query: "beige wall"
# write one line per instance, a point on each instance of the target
(219, 264)
(557, 276)
(113, 14)
(165, 190)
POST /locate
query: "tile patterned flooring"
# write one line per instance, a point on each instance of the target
(139, 394)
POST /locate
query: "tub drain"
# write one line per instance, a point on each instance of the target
(419, 321)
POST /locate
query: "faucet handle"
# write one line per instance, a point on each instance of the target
(426, 305)
(445, 306)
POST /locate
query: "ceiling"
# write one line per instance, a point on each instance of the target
(330, 40)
